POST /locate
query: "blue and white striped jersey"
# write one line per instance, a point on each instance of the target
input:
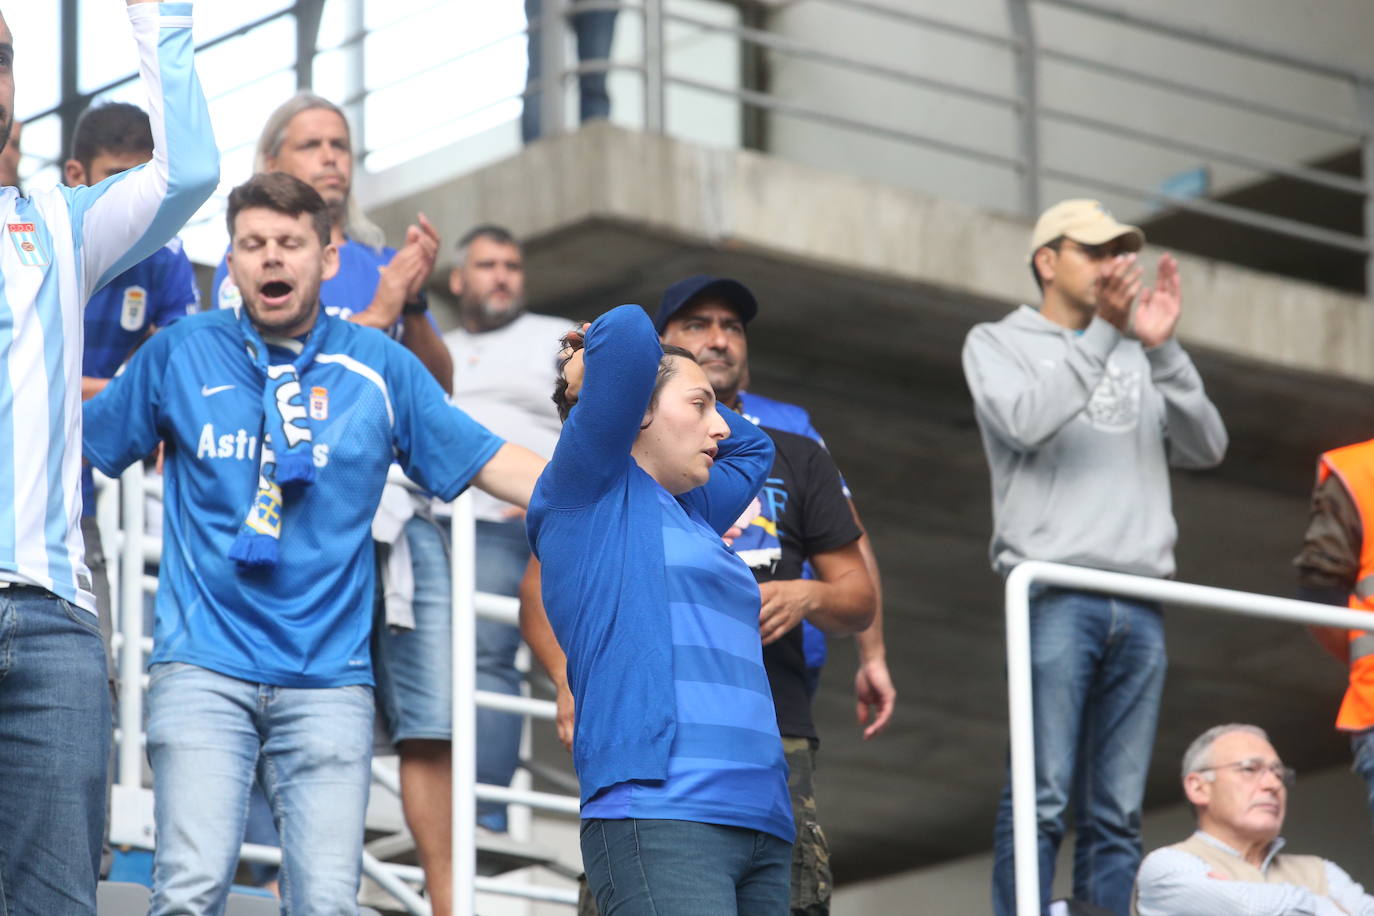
(59, 247)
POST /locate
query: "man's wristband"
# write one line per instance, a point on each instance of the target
(419, 306)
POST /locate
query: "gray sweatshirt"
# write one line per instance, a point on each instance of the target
(1079, 431)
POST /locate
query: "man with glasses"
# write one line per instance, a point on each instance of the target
(1234, 862)
(1083, 405)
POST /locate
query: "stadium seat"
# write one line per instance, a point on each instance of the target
(252, 905)
(121, 898)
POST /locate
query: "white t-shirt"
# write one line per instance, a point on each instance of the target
(504, 380)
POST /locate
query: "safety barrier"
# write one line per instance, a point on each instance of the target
(121, 516)
(1175, 594)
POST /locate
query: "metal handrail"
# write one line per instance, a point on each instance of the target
(132, 547)
(771, 103)
(1019, 685)
(1211, 38)
(794, 48)
(1230, 212)
(1352, 129)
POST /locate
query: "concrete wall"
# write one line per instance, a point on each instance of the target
(1330, 30)
(739, 198)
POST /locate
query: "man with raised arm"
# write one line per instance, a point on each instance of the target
(280, 424)
(63, 245)
(1084, 404)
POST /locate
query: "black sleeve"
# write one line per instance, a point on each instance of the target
(827, 523)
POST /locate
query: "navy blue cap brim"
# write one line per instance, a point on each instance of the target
(695, 289)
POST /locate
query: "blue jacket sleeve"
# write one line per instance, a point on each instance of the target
(622, 357)
(127, 217)
(176, 295)
(439, 446)
(121, 422)
(741, 469)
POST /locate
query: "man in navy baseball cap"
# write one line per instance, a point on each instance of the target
(703, 288)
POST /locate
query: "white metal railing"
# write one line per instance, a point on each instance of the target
(120, 512)
(1180, 594)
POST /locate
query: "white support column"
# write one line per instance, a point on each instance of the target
(131, 629)
(463, 558)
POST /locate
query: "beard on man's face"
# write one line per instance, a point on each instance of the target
(6, 128)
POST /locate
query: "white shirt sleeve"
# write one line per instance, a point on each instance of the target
(1175, 883)
(1346, 893)
(126, 218)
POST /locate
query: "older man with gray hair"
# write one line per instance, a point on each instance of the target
(1233, 863)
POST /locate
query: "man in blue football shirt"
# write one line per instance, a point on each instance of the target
(376, 286)
(280, 422)
(309, 138)
(58, 246)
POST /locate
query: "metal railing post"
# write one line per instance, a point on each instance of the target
(1021, 723)
(464, 733)
(1364, 109)
(1028, 107)
(553, 31)
(654, 68)
(131, 628)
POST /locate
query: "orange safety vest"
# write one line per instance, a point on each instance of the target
(1354, 465)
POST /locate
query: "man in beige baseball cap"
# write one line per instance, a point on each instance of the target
(1084, 221)
(1084, 403)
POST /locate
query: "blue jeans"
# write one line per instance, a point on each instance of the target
(54, 743)
(685, 868)
(1362, 743)
(208, 736)
(1097, 669)
(415, 668)
(595, 30)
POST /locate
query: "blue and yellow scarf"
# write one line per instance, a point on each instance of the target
(285, 429)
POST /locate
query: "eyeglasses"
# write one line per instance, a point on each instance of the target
(1251, 770)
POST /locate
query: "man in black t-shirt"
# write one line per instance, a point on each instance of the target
(802, 514)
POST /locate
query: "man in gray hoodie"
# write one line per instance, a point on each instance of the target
(1083, 405)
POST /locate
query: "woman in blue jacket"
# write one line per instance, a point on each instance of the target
(684, 790)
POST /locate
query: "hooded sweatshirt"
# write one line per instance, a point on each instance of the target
(1079, 430)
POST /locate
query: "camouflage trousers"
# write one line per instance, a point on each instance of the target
(811, 880)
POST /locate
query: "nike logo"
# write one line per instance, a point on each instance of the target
(206, 390)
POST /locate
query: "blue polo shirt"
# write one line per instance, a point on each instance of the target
(306, 622)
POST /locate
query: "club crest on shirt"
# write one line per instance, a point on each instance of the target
(135, 308)
(25, 239)
(319, 403)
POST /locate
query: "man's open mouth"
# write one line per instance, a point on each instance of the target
(276, 292)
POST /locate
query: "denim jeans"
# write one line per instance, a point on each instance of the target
(208, 735)
(415, 669)
(1362, 744)
(595, 29)
(54, 743)
(1097, 671)
(684, 868)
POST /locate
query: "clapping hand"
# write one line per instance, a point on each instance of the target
(1157, 314)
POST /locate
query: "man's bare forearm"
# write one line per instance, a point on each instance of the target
(421, 339)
